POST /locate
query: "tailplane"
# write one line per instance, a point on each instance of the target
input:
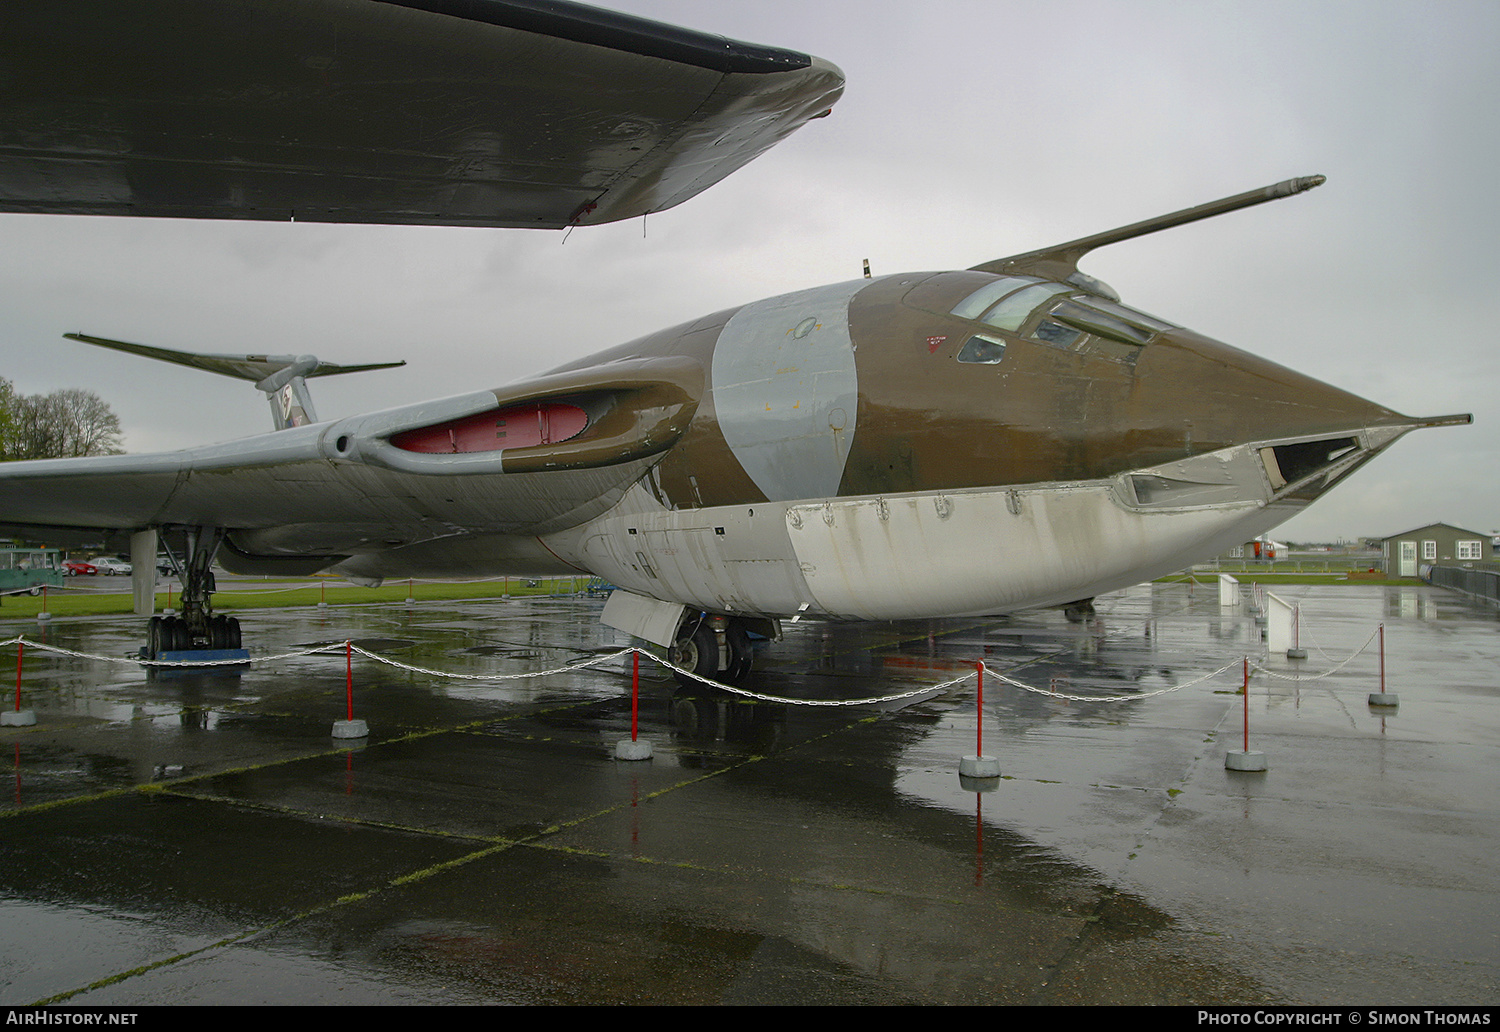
(283, 378)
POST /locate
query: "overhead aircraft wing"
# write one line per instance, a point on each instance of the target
(509, 113)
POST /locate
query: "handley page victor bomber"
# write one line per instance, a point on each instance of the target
(918, 445)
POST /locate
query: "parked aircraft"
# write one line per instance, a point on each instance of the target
(914, 445)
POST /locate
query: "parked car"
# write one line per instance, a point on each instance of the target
(164, 566)
(109, 565)
(78, 568)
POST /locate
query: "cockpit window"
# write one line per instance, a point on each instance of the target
(1130, 315)
(1056, 335)
(971, 306)
(1089, 318)
(1058, 315)
(982, 351)
(1013, 312)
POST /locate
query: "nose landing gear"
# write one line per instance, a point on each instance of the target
(714, 647)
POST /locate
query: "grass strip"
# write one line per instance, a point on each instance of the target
(238, 598)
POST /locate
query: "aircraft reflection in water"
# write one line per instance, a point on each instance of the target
(919, 445)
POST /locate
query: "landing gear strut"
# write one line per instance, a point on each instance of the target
(197, 627)
(713, 647)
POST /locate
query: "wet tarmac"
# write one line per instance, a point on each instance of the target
(202, 838)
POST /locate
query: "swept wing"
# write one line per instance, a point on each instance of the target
(514, 113)
(505, 113)
(532, 458)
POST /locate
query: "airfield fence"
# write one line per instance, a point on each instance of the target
(1476, 581)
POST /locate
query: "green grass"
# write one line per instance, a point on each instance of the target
(239, 598)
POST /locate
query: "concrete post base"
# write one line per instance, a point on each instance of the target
(625, 749)
(979, 767)
(1249, 760)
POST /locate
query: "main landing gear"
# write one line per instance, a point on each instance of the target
(175, 634)
(196, 628)
(1078, 612)
(713, 647)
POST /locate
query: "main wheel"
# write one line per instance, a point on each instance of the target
(175, 636)
(695, 650)
(223, 632)
(741, 658)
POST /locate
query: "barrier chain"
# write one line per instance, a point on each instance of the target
(1327, 673)
(349, 648)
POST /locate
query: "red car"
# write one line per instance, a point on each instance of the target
(77, 568)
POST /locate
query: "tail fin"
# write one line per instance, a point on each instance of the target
(281, 377)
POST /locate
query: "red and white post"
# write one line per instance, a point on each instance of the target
(979, 765)
(634, 747)
(1246, 759)
(1383, 698)
(349, 727)
(18, 717)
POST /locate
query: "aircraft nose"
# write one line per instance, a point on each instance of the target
(1307, 434)
(1233, 397)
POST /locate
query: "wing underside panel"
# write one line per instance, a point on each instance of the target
(290, 505)
(438, 112)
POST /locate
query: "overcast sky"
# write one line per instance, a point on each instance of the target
(968, 131)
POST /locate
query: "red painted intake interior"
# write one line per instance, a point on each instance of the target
(517, 426)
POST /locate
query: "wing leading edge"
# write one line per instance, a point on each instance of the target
(475, 463)
(505, 113)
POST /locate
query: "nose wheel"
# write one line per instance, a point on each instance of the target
(696, 650)
(737, 652)
(712, 647)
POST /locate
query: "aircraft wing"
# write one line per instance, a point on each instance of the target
(533, 458)
(508, 113)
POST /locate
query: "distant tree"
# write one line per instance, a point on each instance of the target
(64, 424)
(7, 421)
